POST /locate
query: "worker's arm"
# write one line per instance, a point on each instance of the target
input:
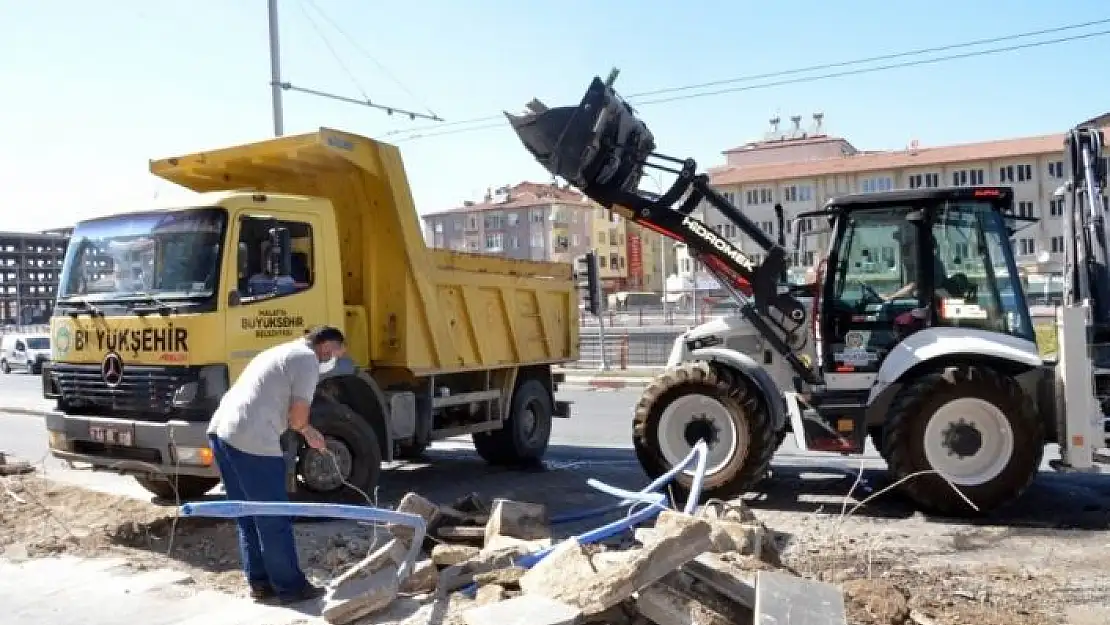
(305, 374)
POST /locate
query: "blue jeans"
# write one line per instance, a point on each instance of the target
(266, 546)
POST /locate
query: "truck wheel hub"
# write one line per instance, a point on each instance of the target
(694, 417)
(318, 470)
(968, 441)
(963, 439)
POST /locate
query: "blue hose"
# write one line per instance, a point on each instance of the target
(648, 495)
(236, 509)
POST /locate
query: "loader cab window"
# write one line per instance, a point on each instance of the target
(275, 258)
(981, 287)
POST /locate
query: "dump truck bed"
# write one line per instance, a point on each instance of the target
(425, 310)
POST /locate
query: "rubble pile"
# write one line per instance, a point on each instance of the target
(717, 566)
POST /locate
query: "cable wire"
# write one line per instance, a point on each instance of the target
(416, 133)
(354, 43)
(334, 54)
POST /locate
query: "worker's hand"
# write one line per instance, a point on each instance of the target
(314, 438)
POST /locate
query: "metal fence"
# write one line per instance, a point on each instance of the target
(625, 349)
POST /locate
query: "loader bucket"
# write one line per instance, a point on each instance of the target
(599, 146)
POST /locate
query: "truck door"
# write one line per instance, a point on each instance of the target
(276, 294)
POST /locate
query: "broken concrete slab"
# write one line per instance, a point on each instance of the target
(501, 577)
(523, 610)
(423, 578)
(454, 516)
(665, 605)
(412, 503)
(507, 543)
(450, 555)
(392, 553)
(462, 534)
(727, 535)
(725, 577)
(527, 521)
(783, 599)
(490, 593)
(573, 575)
(360, 597)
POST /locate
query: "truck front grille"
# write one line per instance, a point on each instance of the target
(144, 391)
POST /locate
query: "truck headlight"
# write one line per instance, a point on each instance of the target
(211, 384)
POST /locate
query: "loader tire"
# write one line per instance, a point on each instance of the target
(186, 488)
(972, 425)
(693, 401)
(524, 437)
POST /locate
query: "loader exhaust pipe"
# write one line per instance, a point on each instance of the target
(599, 146)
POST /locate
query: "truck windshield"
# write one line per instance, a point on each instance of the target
(161, 255)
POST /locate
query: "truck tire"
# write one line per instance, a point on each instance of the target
(524, 437)
(355, 449)
(694, 401)
(187, 487)
(974, 426)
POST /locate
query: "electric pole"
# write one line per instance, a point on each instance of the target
(277, 85)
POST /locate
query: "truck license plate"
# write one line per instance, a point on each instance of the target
(112, 435)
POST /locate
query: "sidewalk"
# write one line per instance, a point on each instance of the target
(618, 379)
(66, 590)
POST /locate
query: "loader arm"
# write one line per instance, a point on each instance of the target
(602, 148)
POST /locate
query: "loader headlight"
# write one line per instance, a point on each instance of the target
(703, 342)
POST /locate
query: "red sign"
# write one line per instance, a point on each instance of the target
(635, 259)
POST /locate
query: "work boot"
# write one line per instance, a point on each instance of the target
(308, 592)
(262, 592)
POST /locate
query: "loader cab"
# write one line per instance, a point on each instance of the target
(902, 261)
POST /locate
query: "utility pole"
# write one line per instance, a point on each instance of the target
(277, 85)
(275, 69)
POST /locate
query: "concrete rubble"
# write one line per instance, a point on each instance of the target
(717, 566)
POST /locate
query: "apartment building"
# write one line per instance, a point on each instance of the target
(803, 167)
(534, 221)
(30, 268)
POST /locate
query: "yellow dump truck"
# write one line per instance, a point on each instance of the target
(159, 310)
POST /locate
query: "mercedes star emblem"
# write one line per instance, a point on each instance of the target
(112, 370)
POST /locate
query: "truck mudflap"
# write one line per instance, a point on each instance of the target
(132, 447)
(562, 409)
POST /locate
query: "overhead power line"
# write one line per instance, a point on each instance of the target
(450, 128)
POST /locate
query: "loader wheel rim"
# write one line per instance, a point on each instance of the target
(969, 441)
(692, 417)
(318, 470)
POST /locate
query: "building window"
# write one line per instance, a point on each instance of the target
(1006, 174)
(976, 176)
(601, 238)
(472, 223)
(602, 262)
(751, 197)
(1027, 247)
(932, 181)
(514, 243)
(1025, 209)
(797, 193)
(537, 239)
(959, 178)
(1056, 208)
(513, 219)
(612, 236)
(438, 227)
(494, 221)
(1057, 245)
(915, 181)
(575, 240)
(1024, 173)
(494, 242)
(537, 216)
(1056, 169)
(881, 183)
(766, 196)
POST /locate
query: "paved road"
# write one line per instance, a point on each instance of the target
(595, 442)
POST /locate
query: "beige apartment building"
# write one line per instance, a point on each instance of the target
(803, 167)
(534, 221)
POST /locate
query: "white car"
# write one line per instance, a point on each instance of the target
(24, 352)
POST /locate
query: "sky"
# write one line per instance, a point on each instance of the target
(91, 91)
